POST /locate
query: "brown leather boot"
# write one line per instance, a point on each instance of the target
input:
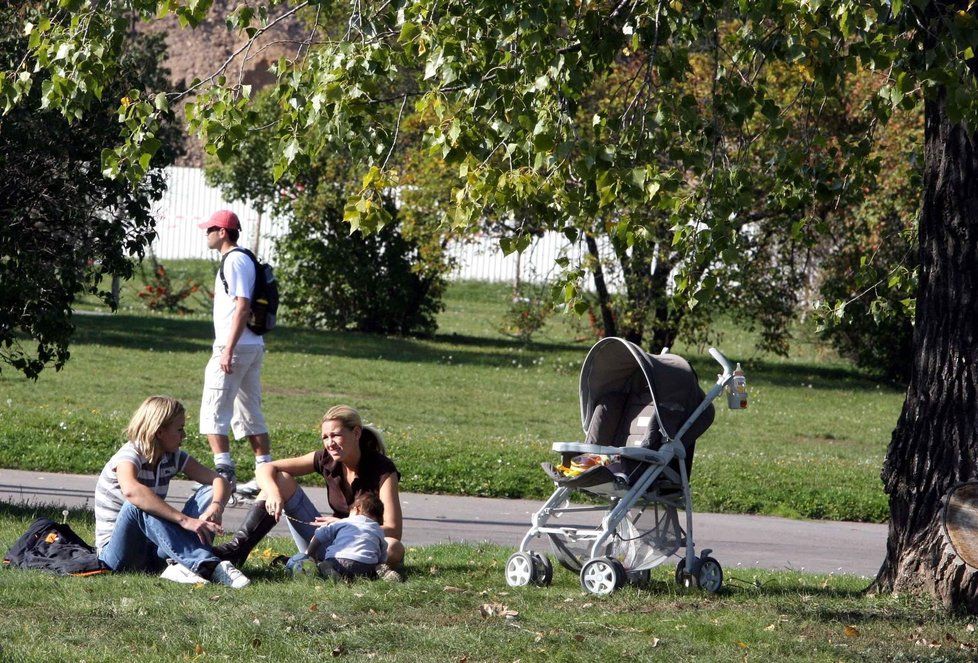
(256, 525)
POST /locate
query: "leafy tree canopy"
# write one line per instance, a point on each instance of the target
(66, 225)
(504, 89)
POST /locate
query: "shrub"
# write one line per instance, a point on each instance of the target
(528, 311)
(385, 282)
(159, 292)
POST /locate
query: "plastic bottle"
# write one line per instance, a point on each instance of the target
(737, 390)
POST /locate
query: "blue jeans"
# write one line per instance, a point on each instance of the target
(141, 542)
(301, 508)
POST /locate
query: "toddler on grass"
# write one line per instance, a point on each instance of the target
(348, 548)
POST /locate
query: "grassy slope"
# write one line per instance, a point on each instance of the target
(469, 411)
(436, 616)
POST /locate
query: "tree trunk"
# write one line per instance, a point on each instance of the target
(604, 299)
(934, 444)
(665, 324)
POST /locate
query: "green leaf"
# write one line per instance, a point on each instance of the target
(409, 32)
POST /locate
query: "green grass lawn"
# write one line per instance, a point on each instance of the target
(449, 610)
(469, 411)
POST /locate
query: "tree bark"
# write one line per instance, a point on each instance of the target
(666, 322)
(604, 299)
(934, 444)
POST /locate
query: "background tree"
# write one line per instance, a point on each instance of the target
(868, 268)
(390, 281)
(66, 225)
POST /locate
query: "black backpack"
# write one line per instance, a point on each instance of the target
(264, 299)
(49, 546)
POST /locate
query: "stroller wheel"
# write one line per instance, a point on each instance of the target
(543, 570)
(710, 575)
(601, 576)
(519, 569)
(684, 579)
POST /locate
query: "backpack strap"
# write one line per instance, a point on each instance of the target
(248, 253)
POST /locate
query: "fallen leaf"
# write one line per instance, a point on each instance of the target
(586, 605)
(496, 610)
(216, 597)
(655, 642)
(333, 615)
(578, 637)
(256, 621)
(452, 590)
(433, 570)
(199, 649)
(338, 650)
(742, 645)
(770, 627)
(850, 631)
(314, 607)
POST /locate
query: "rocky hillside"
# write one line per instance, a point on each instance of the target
(200, 52)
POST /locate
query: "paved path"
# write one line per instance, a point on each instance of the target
(737, 541)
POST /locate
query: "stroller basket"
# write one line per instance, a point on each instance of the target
(641, 415)
(637, 548)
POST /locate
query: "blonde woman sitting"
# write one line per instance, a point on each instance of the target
(352, 461)
(135, 529)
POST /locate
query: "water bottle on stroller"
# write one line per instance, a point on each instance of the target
(737, 390)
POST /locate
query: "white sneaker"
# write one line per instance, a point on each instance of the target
(226, 574)
(248, 489)
(180, 573)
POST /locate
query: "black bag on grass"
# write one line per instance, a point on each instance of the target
(49, 546)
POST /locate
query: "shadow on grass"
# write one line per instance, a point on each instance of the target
(195, 335)
(33, 511)
(800, 375)
(164, 334)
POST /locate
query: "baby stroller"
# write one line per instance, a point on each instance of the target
(642, 415)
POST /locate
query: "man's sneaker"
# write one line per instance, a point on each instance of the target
(226, 574)
(387, 574)
(177, 572)
(227, 471)
(248, 489)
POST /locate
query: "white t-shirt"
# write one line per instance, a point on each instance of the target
(239, 271)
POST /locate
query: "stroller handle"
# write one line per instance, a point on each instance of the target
(723, 361)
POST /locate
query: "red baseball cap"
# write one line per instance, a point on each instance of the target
(224, 218)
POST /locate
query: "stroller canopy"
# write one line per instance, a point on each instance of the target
(617, 366)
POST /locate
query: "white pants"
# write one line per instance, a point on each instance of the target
(233, 400)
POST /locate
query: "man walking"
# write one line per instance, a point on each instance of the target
(232, 379)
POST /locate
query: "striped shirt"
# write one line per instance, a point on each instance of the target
(108, 494)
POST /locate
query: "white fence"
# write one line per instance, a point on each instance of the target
(189, 200)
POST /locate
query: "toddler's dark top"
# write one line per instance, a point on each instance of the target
(373, 471)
